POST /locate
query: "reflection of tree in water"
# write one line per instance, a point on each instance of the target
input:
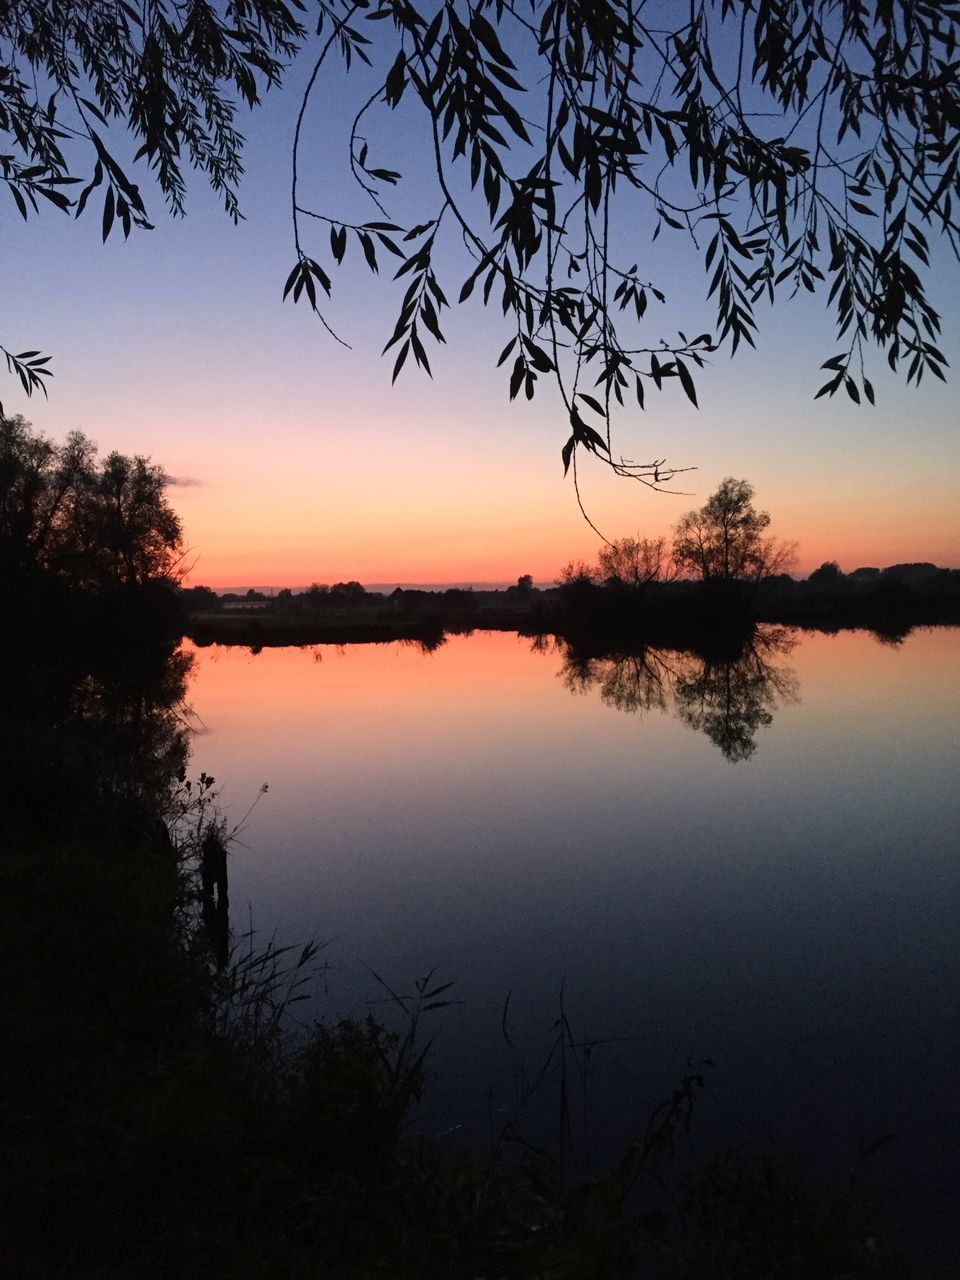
(727, 699)
(135, 725)
(633, 682)
(95, 754)
(730, 701)
(94, 736)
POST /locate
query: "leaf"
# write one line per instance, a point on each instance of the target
(390, 245)
(488, 38)
(108, 212)
(516, 377)
(686, 381)
(429, 317)
(852, 391)
(92, 108)
(306, 283)
(506, 351)
(396, 80)
(292, 279)
(55, 197)
(418, 352)
(369, 252)
(593, 403)
(400, 360)
(538, 357)
(567, 453)
(317, 272)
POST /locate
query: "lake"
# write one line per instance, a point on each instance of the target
(758, 865)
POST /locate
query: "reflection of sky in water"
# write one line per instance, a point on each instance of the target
(793, 916)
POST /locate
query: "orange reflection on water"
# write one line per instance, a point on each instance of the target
(349, 704)
(301, 679)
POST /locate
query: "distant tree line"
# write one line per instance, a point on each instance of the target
(319, 598)
(722, 567)
(314, 598)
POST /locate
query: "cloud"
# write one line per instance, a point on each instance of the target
(183, 482)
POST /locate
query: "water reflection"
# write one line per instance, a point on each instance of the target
(135, 725)
(92, 728)
(95, 747)
(729, 697)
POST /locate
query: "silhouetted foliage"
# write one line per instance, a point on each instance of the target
(347, 592)
(576, 125)
(636, 561)
(828, 575)
(94, 525)
(201, 598)
(919, 574)
(809, 146)
(722, 541)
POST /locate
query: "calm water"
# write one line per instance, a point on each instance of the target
(760, 866)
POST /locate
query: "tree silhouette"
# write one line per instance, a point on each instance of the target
(804, 146)
(93, 525)
(636, 561)
(722, 541)
(828, 575)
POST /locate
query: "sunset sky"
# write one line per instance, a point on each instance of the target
(297, 461)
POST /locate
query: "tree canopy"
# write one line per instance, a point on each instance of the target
(92, 524)
(723, 541)
(799, 145)
(636, 561)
